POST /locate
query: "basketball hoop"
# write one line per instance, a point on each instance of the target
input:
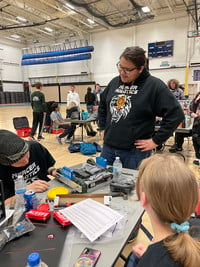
(193, 34)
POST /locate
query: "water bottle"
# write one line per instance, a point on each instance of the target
(20, 189)
(117, 169)
(34, 260)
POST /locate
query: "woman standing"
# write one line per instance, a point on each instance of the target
(89, 100)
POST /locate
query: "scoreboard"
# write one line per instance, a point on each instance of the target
(161, 49)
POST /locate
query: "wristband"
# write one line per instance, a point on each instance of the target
(51, 170)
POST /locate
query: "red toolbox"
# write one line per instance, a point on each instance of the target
(57, 131)
(21, 125)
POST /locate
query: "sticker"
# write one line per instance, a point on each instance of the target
(51, 236)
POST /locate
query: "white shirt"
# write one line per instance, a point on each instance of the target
(73, 97)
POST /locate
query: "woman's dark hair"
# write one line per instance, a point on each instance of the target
(136, 55)
(89, 89)
(54, 106)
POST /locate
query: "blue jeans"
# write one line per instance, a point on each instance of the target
(130, 158)
(132, 261)
(89, 108)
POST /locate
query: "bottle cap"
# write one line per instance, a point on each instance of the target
(33, 259)
(117, 158)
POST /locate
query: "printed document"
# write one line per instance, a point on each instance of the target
(91, 217)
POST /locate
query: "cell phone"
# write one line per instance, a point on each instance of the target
(88, 258)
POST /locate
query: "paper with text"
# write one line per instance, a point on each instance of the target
(91, 217)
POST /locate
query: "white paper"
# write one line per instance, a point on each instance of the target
(91, 217)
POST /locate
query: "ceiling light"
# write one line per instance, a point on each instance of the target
(16, 36)
(145, 9)
(21, 19)
(45, 32)
(70, 6)
(72, 34)
(90, 21)
(13, 39)
(48, 29)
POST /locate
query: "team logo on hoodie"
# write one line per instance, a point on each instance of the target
(120, 106)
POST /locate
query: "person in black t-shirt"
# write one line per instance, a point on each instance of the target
(168, 191)
(27, 158)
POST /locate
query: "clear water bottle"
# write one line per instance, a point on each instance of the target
(34, 260)
(20, 189)
(117, 169)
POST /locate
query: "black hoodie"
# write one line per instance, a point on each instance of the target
(127, 112)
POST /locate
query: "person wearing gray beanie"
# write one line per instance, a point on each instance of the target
(27, 158)
(12, 148)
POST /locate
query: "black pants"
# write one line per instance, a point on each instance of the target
(88, 127)
(179, 138)
(37, 119)
(196, 145)
(68, 130)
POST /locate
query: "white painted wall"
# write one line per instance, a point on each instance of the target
(10, 62)
(109, 45)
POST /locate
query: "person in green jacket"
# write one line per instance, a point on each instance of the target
(39, 108)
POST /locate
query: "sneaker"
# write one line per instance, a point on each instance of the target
(67, 141)
(174, 149)
(93, 133)
(58, 139)
(40, 138)
(89, 134)
(196, 162)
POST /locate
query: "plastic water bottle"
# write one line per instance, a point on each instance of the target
(34, 260)
(20, 189)
(117, 169)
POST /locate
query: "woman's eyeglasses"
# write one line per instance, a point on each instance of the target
(126, 70)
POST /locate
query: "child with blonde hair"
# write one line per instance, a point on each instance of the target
(168, 191)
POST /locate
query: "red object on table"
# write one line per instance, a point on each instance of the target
(38, 215)
(61, 218)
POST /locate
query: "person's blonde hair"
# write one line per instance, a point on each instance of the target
(172, 191)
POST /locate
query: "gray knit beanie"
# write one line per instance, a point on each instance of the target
(12, 147)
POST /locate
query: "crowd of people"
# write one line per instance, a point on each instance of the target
(126, 113)
(125, 105)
